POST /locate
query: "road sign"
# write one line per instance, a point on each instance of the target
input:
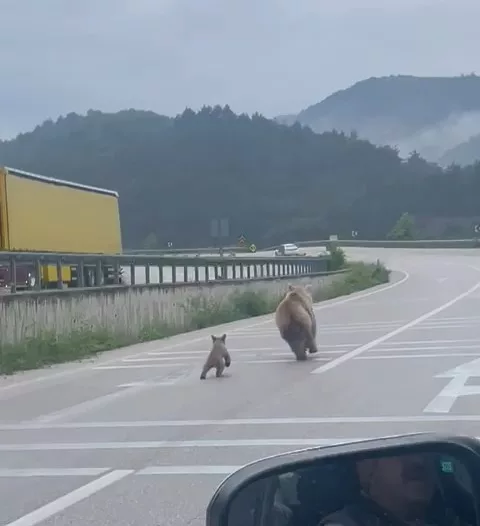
(242, 241)
(252, 248)
(354, 233)
(333, 237)
(219, 228)
(476, 228)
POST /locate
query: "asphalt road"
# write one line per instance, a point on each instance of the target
(135, 437)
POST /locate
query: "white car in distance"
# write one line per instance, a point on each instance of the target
(289, 249)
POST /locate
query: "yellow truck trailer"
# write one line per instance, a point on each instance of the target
(43, 214)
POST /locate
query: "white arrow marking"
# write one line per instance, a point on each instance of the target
(459, 375)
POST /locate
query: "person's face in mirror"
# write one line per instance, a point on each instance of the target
(399, 484)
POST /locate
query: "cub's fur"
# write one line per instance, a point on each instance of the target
(219, 358)
(296, 321)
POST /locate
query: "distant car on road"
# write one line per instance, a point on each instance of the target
(289, 249)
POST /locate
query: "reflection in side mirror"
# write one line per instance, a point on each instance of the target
(412, 485)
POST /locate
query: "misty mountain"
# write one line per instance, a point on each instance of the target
(465, 153)
(429, 115)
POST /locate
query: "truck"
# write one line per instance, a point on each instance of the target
(44, 214)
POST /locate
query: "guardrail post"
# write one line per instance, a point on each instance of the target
(13, 274)
(160, 274)
(147, 274)
(98, 273)
(174, 274)
(37, 269)
(197, 275)
(59, 274)
(81, 274)
(185, 273)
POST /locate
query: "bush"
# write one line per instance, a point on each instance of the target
(338, 258)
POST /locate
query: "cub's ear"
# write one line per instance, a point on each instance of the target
(223, 337)
(213, 337)
(290, 287)
(308, 287)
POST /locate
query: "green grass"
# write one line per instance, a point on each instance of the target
(85, 342)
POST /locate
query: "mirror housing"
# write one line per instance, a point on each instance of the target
(462, 448)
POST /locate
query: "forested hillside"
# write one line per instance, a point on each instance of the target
(428, 114)
(274, 183)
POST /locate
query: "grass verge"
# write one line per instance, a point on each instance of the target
(84, 342)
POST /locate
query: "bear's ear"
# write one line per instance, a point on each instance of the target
(308, 287)
(290, 287)
(213, 337)
(223, 338)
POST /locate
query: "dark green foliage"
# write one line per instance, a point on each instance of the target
(404, 228)
(274, 183)
(338, 258)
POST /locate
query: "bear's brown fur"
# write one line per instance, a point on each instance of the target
(296, 321)
(218, 358)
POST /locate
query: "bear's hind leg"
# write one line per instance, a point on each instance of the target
(298, 349)
(205, 370)
(311, 344)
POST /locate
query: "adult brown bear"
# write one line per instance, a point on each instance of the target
(296, 321)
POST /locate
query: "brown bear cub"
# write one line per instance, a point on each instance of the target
(296, 321)
(219, 358)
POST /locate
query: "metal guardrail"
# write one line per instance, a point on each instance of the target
(369, 243)
(225, 251)
(27, 270)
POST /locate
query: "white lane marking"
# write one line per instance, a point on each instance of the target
(416, 342)
(53, 472)
(360, 350)
(175, 444)
(456, 387)
(356, 330)
(268, 319)
(188, 470)
(249, 350)
(444, 401)
(409, 356)
(150, 383)
(427, 348)
(127, 389)
(358, 325)
(88, 405)
(285, 360)
(149, 364)
(138, 424)
(64, 502)
(138, 366)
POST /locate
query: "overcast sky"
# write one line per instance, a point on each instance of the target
(271, 56)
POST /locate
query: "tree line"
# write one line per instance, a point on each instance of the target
(271, 183)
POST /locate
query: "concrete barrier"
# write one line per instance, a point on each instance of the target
(122, 310)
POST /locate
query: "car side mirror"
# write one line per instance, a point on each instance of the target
(434, 479)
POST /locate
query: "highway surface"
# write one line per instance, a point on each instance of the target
(135, 438)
